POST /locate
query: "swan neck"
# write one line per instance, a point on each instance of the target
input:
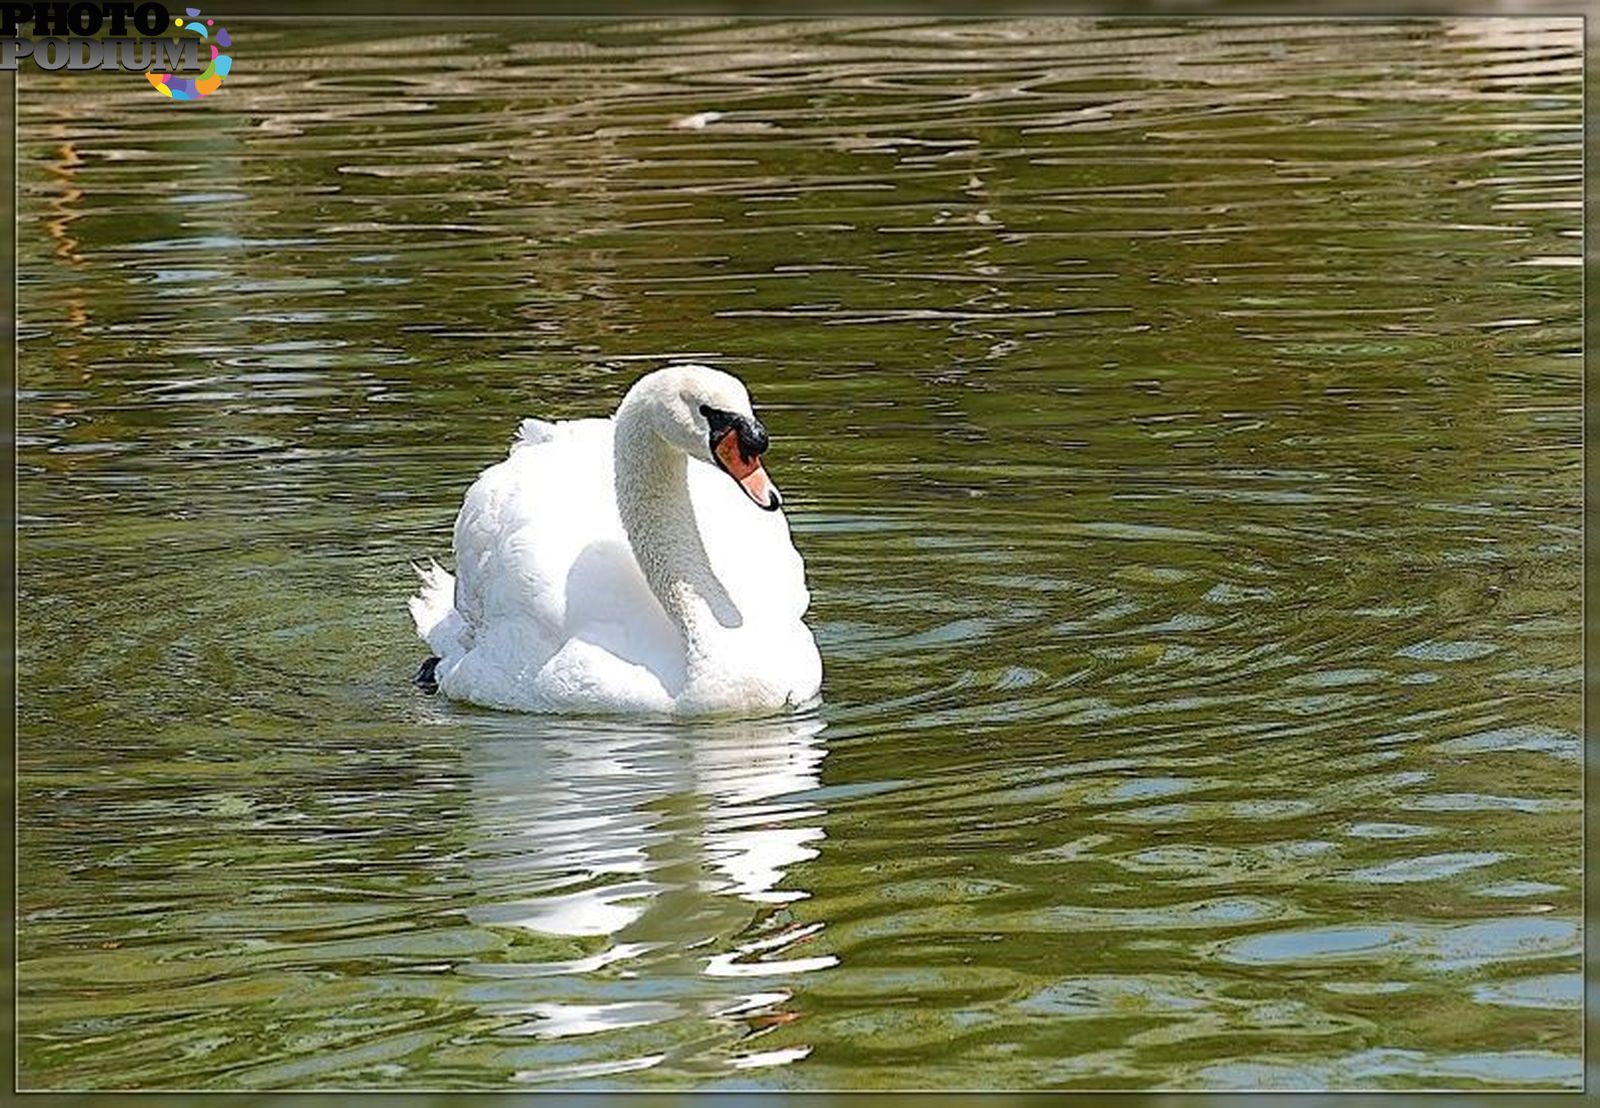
(652, 487)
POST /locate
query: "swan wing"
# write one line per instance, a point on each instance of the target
(553, 609)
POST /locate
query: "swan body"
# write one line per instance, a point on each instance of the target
(611, 566)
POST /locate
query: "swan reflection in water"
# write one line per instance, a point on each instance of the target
(639, 871)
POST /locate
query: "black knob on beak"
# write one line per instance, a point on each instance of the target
(753, 441)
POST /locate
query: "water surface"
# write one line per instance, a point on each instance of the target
(1181, 424)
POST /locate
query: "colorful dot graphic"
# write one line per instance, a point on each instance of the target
(174, 87)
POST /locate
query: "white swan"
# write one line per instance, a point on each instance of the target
(607, 566)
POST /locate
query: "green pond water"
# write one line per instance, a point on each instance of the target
(1181, 425)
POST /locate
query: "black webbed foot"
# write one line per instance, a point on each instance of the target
(424, 679)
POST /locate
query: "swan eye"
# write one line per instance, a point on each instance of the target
(721, 422)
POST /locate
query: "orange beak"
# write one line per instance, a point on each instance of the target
(747, 470)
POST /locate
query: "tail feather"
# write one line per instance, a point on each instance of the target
(433, 609)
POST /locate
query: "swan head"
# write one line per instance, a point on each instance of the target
(707, 414)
